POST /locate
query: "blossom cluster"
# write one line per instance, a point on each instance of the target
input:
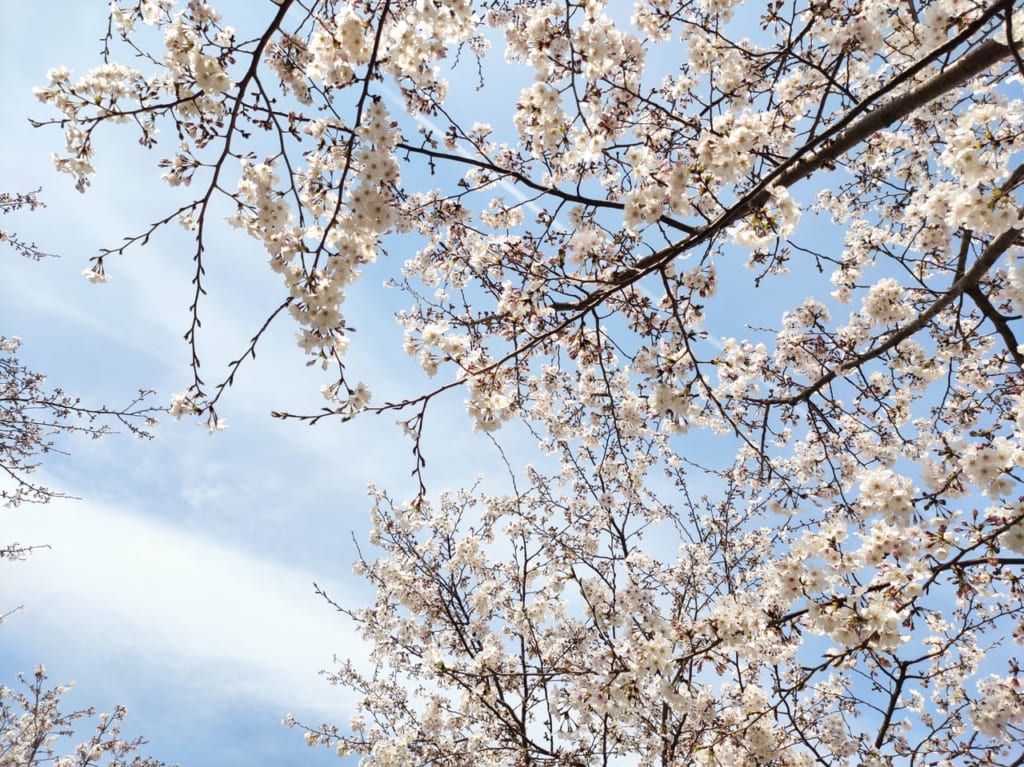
(35, 730)
(782, 451)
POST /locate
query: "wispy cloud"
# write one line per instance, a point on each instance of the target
(161, 599)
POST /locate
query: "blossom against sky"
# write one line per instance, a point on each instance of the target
(182, 583)
(239, 504)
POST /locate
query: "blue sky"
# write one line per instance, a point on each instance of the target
(181, 584)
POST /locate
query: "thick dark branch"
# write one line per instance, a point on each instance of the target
(824, 152)
(218, 167)
(894, 697)
(970, 278)
(512, 176)
(997, 319)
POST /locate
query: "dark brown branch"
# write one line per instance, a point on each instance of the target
(511, 176)
(824, 151)
(970, 278)
(999, 320)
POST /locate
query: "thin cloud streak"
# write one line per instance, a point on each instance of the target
(160, 599)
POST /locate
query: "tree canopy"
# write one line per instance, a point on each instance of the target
(748, 272)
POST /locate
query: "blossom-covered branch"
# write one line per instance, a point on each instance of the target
(750, 274)
(8, 204)
(31, 416)
(35, 730)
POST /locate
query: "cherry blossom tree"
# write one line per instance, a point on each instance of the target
(33, 416)
(33, 726)
(749, 273)
(34, 729)
(9, 203)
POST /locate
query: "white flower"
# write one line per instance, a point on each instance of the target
(885, 303)
(95, 275)
(1000, 703)
(181, 404)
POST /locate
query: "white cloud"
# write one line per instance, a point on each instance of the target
(159, 601)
